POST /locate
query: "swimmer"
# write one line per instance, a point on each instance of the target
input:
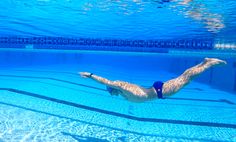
(159, 90)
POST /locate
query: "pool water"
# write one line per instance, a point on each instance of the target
(127, 19)
(44, 99)
(45, 43)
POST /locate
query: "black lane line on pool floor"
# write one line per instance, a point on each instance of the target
(78, 84)
(113, 128)
(209, 124)
(49, 78)
(121, 99)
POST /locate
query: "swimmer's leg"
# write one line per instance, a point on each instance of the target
(172, 86)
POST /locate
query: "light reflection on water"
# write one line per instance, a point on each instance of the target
(130, 19)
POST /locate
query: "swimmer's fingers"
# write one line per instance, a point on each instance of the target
(84, 74)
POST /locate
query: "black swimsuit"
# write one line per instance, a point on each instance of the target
(158, 87)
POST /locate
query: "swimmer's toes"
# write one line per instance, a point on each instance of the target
(224, 62)
(215, 61)
(220, 62)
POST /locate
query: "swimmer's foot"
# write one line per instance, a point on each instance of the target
(215, 61)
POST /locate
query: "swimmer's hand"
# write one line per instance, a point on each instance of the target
(85, 74)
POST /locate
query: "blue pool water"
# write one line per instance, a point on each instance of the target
(45, 43)
(128, 19)
(44, 99)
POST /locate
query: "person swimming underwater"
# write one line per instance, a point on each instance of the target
(159, 90)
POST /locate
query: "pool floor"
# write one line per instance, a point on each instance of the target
(53, 103)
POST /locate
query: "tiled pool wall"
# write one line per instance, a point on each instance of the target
(219, 77)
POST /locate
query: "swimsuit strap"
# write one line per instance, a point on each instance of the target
(158, 87)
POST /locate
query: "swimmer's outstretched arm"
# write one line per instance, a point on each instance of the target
(99, 79)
